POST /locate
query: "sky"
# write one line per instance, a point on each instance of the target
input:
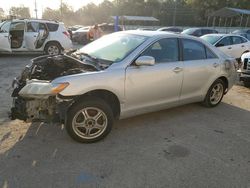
(42, 4)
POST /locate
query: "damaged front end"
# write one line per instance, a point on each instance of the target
(35, 98)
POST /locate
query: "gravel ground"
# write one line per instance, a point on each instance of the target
(188, 146)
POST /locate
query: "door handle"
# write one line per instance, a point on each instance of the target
(215, 65)
(6, 36)
(229, 48)
(177, 69)
(242, 46)
(35, 36)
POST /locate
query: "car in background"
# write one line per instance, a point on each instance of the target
(231, 44)
(34, 35)
(245, 69)
(119, 76)
(171, 29)
(241, 31)
(145, 29)
(198, 32)
(246, 35)
(75, 27)
(80, 36)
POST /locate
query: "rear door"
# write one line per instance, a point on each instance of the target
(201, 67)
(5, 37)
(225, 45)
(31, 35)
(239, 46)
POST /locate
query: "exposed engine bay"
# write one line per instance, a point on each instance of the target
(45, 69)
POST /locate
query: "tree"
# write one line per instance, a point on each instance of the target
(20, 12)
(2, 15)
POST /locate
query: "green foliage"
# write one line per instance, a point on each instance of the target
(20, 12)
(188, 12)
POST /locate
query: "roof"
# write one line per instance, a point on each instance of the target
(230, 12)
(148, 33)
(138, 18)
(222, 34)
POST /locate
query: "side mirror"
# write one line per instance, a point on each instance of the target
(145, 60)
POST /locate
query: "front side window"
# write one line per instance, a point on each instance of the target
(164, 50)
(17, 26)
(224, 42)
(193, 50)
(5, 27)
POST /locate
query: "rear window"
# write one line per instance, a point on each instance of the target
(52, 26)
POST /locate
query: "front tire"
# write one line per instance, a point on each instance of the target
(90, 120)
(215, 94)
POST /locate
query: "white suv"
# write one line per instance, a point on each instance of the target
(34, 35)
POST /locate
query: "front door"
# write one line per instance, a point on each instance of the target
(5, 37)
(31, 35)
(149, 88)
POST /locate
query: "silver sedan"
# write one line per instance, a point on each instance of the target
(122, 75)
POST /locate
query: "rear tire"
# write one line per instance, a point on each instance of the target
(90, 120)
(53, 48)
(215, 94)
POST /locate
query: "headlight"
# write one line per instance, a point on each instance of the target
(57, 88)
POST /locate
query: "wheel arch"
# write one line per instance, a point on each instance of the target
(225, 80)
(109, 97)
(53, 41)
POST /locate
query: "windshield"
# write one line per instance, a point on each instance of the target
(211, 39)
(114, 47)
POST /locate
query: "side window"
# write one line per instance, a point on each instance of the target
(224, 42)
(197, 33)
(164, 50)
(244, 40)
(52, 26)
(5, 27)
(32, 26)
(210, 54)
(236, 40)
(248, 36)
(17, 26)
(193, 50)
(205, 31)
(42, 26)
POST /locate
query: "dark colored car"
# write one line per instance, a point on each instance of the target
(80, 35)
(198, 32)
(171, 29)
(241, 31)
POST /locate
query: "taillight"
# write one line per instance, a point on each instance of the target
(66, 33)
